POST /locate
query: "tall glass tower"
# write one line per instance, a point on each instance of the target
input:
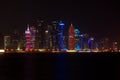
(60, 35)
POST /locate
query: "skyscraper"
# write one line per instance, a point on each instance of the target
(86, 46)
(15, 39)
(48, 41)
(33, 37)
(60, 35)
(71, 38)
(82, 41)
(91, 43)
(54, 34)
(77, 39)
(28, 39)
(41, 26)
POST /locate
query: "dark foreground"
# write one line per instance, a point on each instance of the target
(60, 66)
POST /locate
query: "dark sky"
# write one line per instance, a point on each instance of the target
(97, 18)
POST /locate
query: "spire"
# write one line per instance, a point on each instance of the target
(71, 24)
(28, 30)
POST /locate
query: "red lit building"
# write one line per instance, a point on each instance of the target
(71, 38)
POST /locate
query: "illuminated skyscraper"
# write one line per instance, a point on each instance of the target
(71, 38)
(28, 39)
(60, 35)
(77, 39)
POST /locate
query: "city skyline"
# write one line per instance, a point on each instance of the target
(93, 17)
(53, 37)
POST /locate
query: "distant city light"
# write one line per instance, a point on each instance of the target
(2, 50)
(54, 37)
(61, 23)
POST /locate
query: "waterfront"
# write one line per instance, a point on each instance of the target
(60, 66)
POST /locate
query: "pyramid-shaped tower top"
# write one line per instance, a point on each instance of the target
(71, 28)
(71, 24)
(28, 28)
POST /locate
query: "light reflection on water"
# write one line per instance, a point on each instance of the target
(59, 66)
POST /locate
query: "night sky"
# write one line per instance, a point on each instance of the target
(97, 18)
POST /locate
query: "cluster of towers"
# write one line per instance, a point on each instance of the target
(56, 37)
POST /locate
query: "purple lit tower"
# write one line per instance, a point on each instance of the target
(28, 39)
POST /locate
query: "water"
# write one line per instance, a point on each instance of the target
(60, 66)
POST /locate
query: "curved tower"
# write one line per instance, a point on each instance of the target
(71, 38)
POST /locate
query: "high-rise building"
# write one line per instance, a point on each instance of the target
(82, 41)
(33, 37)
(91, 43)
(48, 41)
(77, 39)
(54, 34)
(40, 37)
(15, 39)
(60, 35)
(71, 38)
(28, 39)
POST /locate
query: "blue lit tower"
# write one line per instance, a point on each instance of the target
(90, 43)
(60, 35)
(82, 41)
(77, 39)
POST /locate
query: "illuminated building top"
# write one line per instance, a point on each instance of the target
(28, 30)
